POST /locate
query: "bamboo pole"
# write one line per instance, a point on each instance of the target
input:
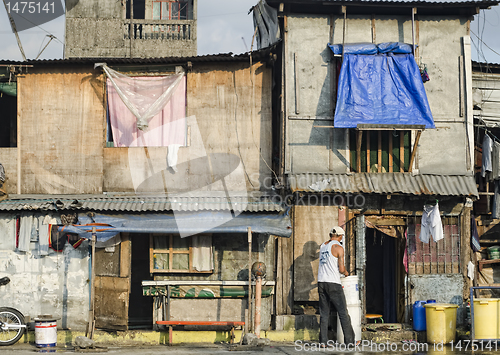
(258, 293)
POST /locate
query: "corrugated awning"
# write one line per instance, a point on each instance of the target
(101, 203)
(386, 183)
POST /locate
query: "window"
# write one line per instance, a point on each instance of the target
(380, 151)
(169, 253)
(171, 10)
(8, 114)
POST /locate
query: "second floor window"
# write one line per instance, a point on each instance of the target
(380, 151)
(171, 10)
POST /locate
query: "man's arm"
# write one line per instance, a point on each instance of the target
(339, 253)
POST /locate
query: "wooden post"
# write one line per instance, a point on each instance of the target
(91, 325)
(250, 323)
(358, 151)
(414, 151)
(258, 294)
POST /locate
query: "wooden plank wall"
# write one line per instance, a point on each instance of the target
(61, 131)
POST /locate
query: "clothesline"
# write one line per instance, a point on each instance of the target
(491, 135)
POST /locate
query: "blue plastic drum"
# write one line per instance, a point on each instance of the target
(419, 316)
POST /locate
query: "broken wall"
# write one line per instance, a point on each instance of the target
(55, 284)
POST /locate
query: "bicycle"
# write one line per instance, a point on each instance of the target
(12, 326)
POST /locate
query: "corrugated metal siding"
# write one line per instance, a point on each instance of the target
(139, 204)
(387, 183)
(487, 97)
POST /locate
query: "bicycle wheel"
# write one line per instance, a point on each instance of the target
(10, 317)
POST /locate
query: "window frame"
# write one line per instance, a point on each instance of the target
(360, 150)
(170, 3)
(170, 251)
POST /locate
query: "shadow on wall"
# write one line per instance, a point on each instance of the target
(304, 282)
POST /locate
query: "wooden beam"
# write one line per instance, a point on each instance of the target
(386, 221)
(368, 152)
(414, 151)
(374, 35)
(391, 157)
(401, 151)
(379, 152)
(358, 150)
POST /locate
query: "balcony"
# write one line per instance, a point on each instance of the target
(169, 30)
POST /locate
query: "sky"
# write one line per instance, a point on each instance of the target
(223, 26)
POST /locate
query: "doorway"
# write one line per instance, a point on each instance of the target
(384, 275)
(140, 314)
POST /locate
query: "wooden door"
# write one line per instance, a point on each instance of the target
(113, 285)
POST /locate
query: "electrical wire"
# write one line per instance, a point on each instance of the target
(491, 49)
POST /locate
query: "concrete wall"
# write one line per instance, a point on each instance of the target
(56, 284)
(99, 29)
(444, 288)
(312, 149)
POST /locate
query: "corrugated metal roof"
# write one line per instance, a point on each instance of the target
(222, 57)
(386, 183)
(139, 204)
(416, 2)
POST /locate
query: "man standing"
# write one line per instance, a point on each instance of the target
(331, 265)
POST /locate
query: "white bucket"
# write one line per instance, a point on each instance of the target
(355, 314)
(351, 290)
(45, 333)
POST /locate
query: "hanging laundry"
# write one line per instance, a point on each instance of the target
(495, 203)
(431, 224)
(495, 161)
(474, 235)
(202, 253)
(43, 235)
(25, 232)
(173, 150)
(487, 150)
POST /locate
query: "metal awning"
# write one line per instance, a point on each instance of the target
(386, 183)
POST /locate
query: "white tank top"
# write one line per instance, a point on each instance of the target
(328, 270)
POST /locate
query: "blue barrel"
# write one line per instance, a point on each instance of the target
(419, 316)
(431, 301)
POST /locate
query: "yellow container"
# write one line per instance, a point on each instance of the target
(486, 318)
(441, 321)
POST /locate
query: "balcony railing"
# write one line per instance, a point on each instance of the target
(180, 30)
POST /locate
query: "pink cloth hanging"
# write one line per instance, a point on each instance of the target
(166, 128)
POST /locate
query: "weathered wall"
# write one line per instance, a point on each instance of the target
(230, 264)
(309, 87)
(61, 136)
(55, 284)
(99, 29)
(8, 158)
(311, 226)
(444, 288)
(310, 93)
(227, 115)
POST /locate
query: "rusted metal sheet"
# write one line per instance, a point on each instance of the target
(138, 203)
(386, 183)
(442, 257)
(112, 302)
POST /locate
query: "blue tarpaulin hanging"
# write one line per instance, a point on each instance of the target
(192, 223)
(380, 89)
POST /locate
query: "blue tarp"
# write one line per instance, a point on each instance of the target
(191, 223)
(381, 89)
(371, 48)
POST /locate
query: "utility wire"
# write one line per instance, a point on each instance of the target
(491, 49)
